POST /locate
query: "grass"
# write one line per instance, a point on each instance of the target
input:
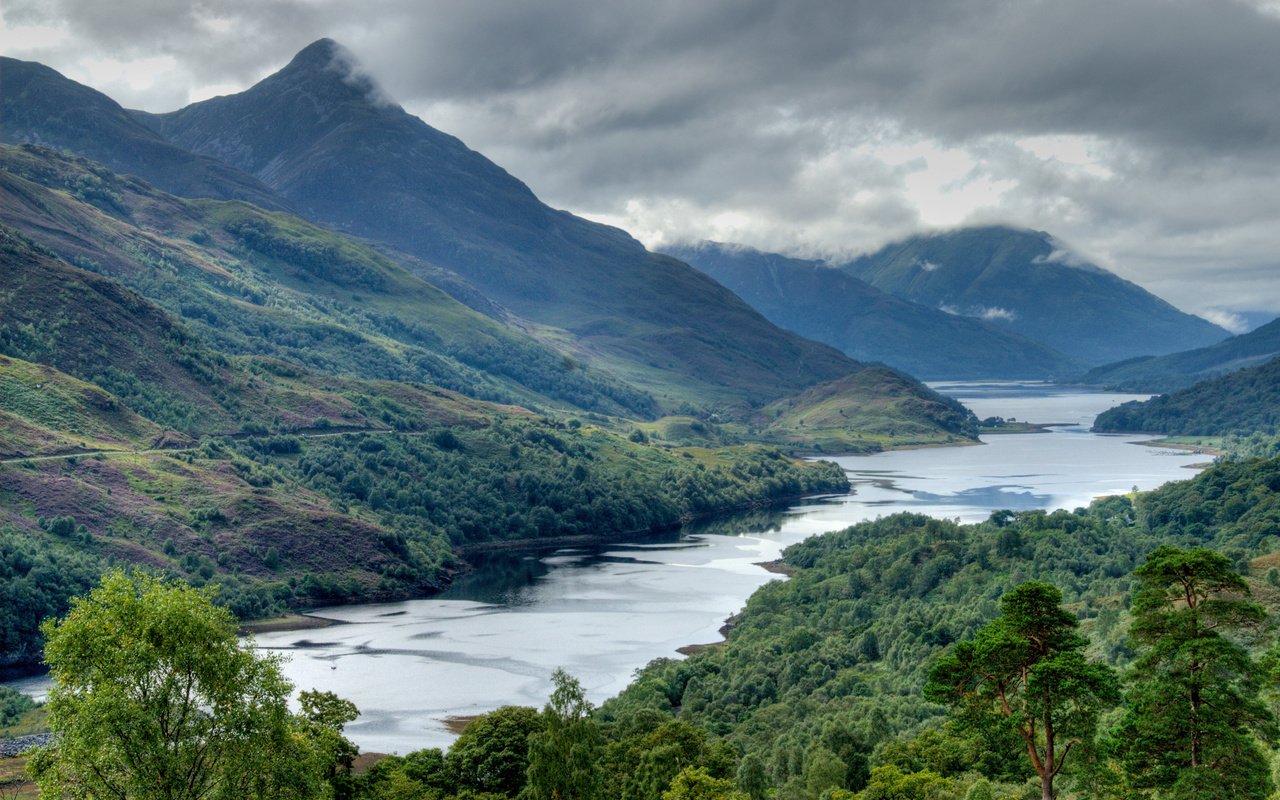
(14, 783)
(34, 721)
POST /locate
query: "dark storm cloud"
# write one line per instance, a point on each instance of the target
(787, 122)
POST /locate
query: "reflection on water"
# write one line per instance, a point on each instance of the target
(600, 612)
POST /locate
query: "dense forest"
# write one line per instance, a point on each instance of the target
(819, 690)
(1243, 402)
(1116, 651)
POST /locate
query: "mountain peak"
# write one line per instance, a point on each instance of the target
(319, 55)
(326, 62)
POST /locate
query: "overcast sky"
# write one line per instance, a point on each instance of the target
(1145, 133)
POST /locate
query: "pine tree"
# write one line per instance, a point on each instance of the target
(1193, 715)
(1026, 671)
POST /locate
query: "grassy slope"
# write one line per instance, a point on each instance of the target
(45, 411)
(251, 281)
(868, 411)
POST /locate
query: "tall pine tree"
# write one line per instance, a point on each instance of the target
(1193, 714)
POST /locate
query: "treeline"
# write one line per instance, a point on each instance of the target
(534, 479)
(264, 517)
(823, 674)
(918, 659)
(1242, 403)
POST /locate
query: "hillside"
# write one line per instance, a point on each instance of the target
(323, 136)
(1241, 403)
(1178, 370)
(822, 674)
(39, 105)
(127, 438)
(1026, 282)
(831, 306)
(262, 283)
(869, 411)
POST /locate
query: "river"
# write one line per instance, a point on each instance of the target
(601, 612)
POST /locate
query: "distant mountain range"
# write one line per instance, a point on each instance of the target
(555, 311)
(832, 306)
(1029, 283)
(1178, 370)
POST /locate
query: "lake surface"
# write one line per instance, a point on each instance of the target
(602, 612)
(495, 637)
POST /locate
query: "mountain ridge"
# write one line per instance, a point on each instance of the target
(1179, 370)
(824, 303)
(372, 169)
(1029, 282)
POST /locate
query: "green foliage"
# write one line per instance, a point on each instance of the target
(1242, 403)
(693, 783)
(798, 668)
(1025, 671)
(38, 578)
(564, 758)
(1193, 709)
(154, 696)
(492, 754)
(532, 479)
(13, 704)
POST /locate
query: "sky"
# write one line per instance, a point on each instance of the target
(1143, 133)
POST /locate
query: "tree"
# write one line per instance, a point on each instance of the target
(1026, 672)
(564, 759)
(323, 717)
(1193, 710)
(693, 783)
(492, 753)
(154, 696)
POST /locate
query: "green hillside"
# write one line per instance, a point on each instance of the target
(323, 136)
(44, 411)
(1028, 283)
(255, 282)
(820, 680)
(1243, 402)
(1178, 370)
(872, 410)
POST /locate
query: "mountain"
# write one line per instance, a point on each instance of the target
(831, 306)
(288, 487)
(39, 105)
(1241, 402)
(324, 136)
(1029, 283)
(1178, 370)
(252, 282)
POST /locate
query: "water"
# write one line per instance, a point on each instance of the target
(495, 637)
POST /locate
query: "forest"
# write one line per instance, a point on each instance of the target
(1031, 655)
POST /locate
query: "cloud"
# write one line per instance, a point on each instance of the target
(1234, 323)
(995, 313)
(1147, 132)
